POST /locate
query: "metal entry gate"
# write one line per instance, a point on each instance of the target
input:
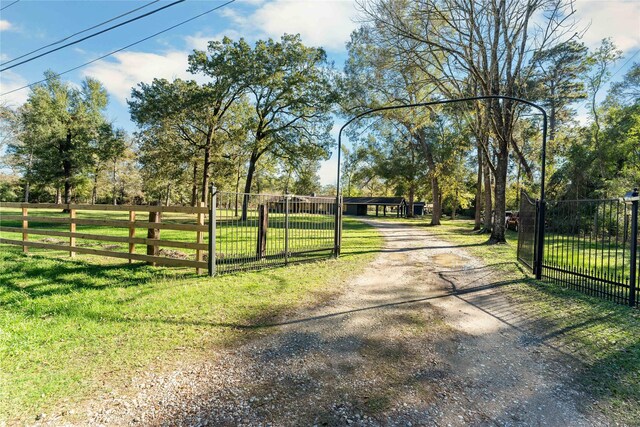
(588, 245)
(527, 231)
(254, 231)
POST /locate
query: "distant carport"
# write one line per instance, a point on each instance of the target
(360, 205)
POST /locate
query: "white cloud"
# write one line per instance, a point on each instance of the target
(326, 23)
(5, 25)
(130, 68)
(9, 81)
(617, 19)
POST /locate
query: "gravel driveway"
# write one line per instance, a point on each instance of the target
(415, 340)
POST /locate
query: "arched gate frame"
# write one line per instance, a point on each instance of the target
(539, 238)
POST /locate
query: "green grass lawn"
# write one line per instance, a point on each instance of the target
(72, 328)
(601, 336)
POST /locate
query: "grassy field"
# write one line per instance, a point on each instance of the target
(72, 328)
(600, 337)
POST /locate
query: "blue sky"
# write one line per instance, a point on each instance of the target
(30, 24)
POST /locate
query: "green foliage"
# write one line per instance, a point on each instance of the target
(604, 159)
(60, 132)
(291, 88)
(9, 188)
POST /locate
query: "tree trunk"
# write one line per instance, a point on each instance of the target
(66, 166)
(115, 186)
(437, 207)
(27, 185)
(58, 196)
(455, 206)
(478, 202)
(168, 198)
(237, 190)
(412, 195)
(488, 205)
(205, 172)
(247, 186)
(552, 116)
(94, 191)
(435, 187)
(194, 185)
(518, 186)
(497, 234)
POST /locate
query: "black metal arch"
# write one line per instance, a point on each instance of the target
(541, 212)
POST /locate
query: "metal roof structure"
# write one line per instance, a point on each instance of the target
(380, 201)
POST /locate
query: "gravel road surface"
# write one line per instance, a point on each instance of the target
(423, 337)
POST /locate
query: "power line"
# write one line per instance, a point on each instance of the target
(121, 49)
(9, 5)
(94, 34)
(79, 32)
(626, 62)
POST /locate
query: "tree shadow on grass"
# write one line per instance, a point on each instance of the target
(600, 339)
(40, 276)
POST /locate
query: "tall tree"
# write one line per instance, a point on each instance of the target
(194, 113)
(107, 147)
(291, 88)
(626, 91)
(59, 123)
(396, 82)
(166, 162)
(558, 74)
(599, 62)
(487, 42)
(19, 153)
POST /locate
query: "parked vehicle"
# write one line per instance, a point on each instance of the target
(507, 215)
(512, 220)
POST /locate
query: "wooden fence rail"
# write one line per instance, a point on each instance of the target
(153, 226)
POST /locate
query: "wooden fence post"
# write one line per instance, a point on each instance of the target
(199, 236)
(25, 226)
(72, 229)
(153, 233)
(132, 232)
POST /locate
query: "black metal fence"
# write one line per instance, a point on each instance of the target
(254, 231)
(589, 245)
(527, 230)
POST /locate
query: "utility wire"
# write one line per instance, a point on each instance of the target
(9, 5)
(78, 33)
(626, 62)
(121, 49)
(94, 34)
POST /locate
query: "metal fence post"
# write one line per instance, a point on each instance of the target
(336, 233)
(286, 229)
(539, 245)
(634, 249)
(340, 226)
(212, 232)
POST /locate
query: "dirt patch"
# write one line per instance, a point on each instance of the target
(52, 241)
(109, 247)
(173, 254)
(449, 260)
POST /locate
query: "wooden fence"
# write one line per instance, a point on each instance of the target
(153, 225)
